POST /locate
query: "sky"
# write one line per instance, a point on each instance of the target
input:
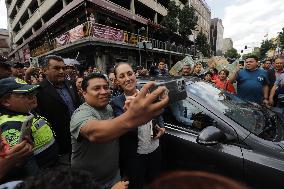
(3, 14)
(245, 21)
(248, 21)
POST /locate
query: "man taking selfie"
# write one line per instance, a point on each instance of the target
(95, 133)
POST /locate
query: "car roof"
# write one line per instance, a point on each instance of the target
(162, 79)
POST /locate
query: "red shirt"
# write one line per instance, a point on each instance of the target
(226, 86)
(215, 77)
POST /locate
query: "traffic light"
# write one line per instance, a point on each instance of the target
(246, 47)
(242, 51)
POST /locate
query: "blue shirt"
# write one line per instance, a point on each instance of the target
(250, 84)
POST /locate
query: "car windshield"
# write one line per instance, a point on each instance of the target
(244, 113)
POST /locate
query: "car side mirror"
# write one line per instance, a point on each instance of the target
(210, 136)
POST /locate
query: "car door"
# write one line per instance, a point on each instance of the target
(264, 168)
(181, 150)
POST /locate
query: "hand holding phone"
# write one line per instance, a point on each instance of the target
(33, 62)
(26, 129)
(157, 131)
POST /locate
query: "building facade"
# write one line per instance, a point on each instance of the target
(204, 17)
(227, 45)
(216, 36)
(4, 43)
(98, 32)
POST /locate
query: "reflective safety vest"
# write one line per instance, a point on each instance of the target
(42, 135)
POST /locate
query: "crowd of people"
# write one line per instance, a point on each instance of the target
(103, 124)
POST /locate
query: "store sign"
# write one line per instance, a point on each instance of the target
(106, 32)
(76, 33)
(88, 29)
(40, 50)
(62, 39)
(27, 54)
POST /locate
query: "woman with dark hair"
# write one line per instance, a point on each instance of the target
(140, 154)
(194, 180)
(224, 83)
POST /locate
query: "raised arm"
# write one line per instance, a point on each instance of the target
(141, 110)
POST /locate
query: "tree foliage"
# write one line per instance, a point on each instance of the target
(281, 39)
(170, 21)
(266, 45)
(232, 53)
(181, 21)
(187, 21)
(202, 44)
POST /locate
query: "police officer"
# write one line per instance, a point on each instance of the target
(17, 100)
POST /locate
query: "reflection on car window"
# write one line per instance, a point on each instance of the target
(187, 115)
(242, 112)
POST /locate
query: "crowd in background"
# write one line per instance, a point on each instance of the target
(102, 124)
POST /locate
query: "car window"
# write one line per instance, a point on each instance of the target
(244, 113)
(184, 114)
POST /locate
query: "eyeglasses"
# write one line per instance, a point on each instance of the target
(58, 68)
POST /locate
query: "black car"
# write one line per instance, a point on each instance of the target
(212, 130)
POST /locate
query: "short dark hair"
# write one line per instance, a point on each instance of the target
(85, 82)
(253, 56)
(268, 59)
(209, 73)
(46, 60)
(111, 70)
(162, 60)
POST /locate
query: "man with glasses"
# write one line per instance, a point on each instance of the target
(17, 101)
(57, 99)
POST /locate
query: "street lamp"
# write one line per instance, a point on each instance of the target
(140, 29)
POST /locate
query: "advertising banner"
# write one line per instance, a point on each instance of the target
(27, 54)
(76, 33)
(62, 39)
(106, 32)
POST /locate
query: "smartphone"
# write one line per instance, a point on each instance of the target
(34, 62)
(154, 128)
(154, 131)
(176, 88)
(26, 130)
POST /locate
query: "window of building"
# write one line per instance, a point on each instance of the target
(33, 6)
